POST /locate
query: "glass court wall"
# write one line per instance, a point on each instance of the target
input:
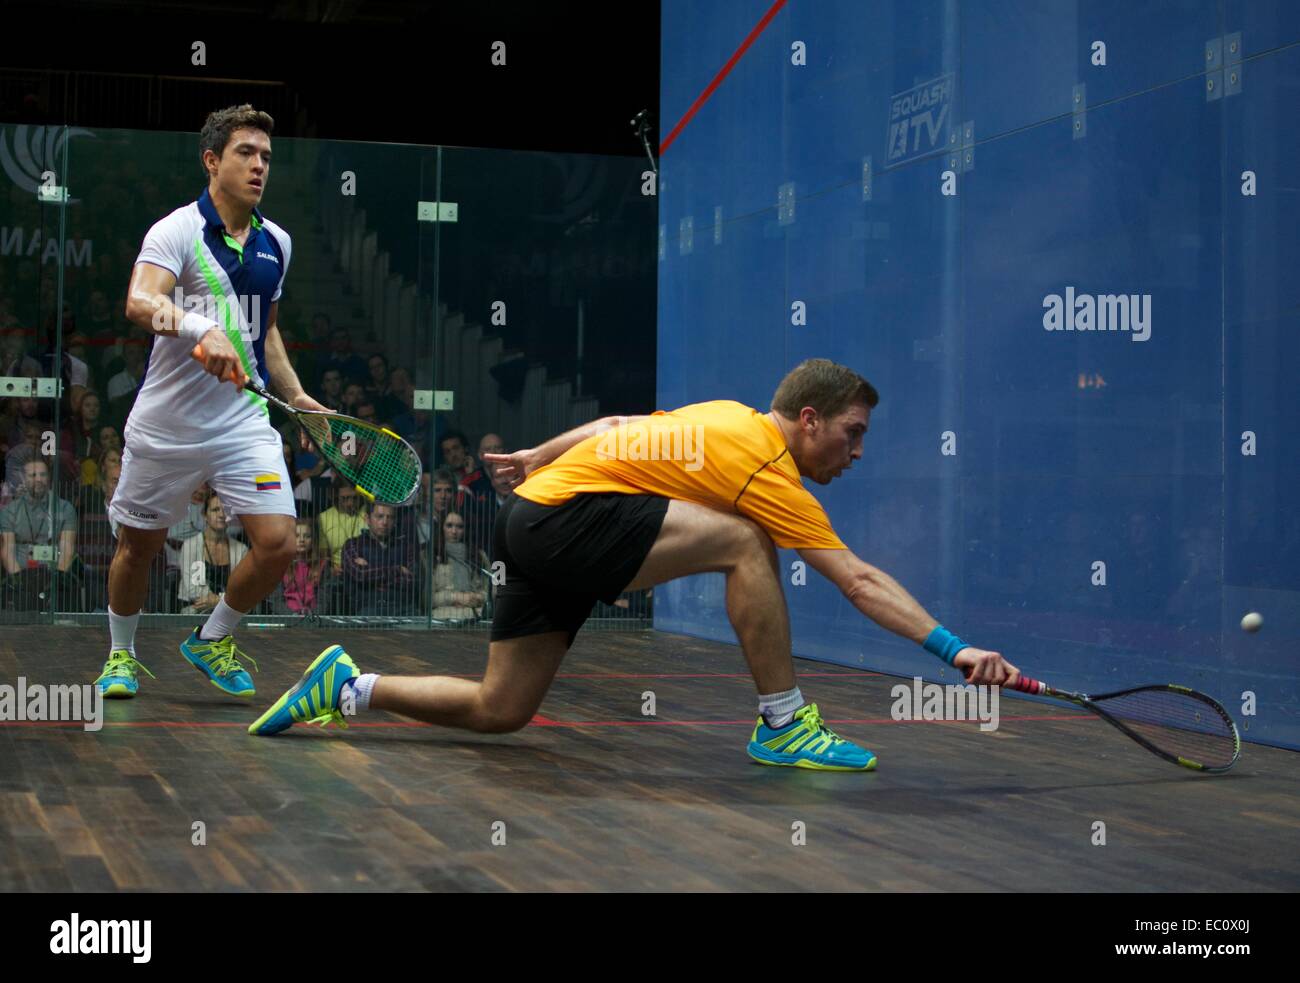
(467, 299)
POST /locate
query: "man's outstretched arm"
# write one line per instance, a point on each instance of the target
(517, 465)
(886, 602)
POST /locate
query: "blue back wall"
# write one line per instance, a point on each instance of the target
(1006, 463)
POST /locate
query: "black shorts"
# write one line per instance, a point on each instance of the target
(561, 559)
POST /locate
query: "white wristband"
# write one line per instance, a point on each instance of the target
(194, 326)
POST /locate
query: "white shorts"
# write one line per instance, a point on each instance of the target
(157, 482)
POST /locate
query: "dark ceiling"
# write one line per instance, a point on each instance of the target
(343, 69)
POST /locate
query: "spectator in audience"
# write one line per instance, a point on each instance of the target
(308, 465)
(418, 427)
(331, 385)
(122, 387)
(206, 561)
(437, 498)
(81, 436)
(95, 543)
(33, 520)
(77, 347)
(194, 522)
(353, 394)
(21, 410)
(479, 482)
(379, 390)
(379, 566)
(458, 580)
(109, 439)
(501, 490)
(342, 522)
(402, 389)
(457, 459)
(365, 410)
(72, 370)
(300, 587)
(107, 458)
(341, 357)
(99, 317)
(14, 359)
(95, 498)
(318, 343)
(32, 448)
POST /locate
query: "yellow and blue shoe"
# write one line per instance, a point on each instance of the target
(117, 681)
(219, 661)
(314, 699)
(806, 742)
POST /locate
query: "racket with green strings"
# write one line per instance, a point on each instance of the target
(383, 466)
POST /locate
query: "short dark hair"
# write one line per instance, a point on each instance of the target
(443, 476)
(828, 388)
(221, 123)
(453, 435)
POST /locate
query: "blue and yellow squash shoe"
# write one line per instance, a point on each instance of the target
(806, 742)
(315, 699)
(117, 681)
(219, 661)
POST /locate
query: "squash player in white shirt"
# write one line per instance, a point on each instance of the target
(189, 424)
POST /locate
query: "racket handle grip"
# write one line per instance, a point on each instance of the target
(235, 377)
(1026, 685)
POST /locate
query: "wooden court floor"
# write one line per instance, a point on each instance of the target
(594, 796)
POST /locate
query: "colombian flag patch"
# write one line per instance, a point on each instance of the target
(267, 482)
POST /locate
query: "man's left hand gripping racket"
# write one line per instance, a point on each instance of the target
(383, 466)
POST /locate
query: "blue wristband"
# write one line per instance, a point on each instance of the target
(944, 644)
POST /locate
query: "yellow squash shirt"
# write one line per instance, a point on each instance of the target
(720, 454)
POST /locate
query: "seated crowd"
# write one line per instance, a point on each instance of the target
(353, 557)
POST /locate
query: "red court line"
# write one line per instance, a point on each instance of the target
(703, 97)
(539, 721)
(673, 675)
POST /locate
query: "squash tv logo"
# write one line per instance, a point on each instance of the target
(28, 152)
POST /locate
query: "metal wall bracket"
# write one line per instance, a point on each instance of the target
(49, 388)
(1224, 68)
(717, 225)
(1079, 110)
(56, 195)
(437, 211)
(785, 204)
(867, 176)
(15, 385)
(961, 148)
(435, 399)
(686, 240)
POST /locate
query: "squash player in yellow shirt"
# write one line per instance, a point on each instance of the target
(627, 503)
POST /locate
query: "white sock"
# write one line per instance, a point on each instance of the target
(122, 630)
(221, 622)
(778, 708)
(362, 687)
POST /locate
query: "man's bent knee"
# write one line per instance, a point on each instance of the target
(753, 539)
(501, 720)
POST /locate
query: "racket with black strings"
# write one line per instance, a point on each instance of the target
(383, 467)
(1172, 722)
